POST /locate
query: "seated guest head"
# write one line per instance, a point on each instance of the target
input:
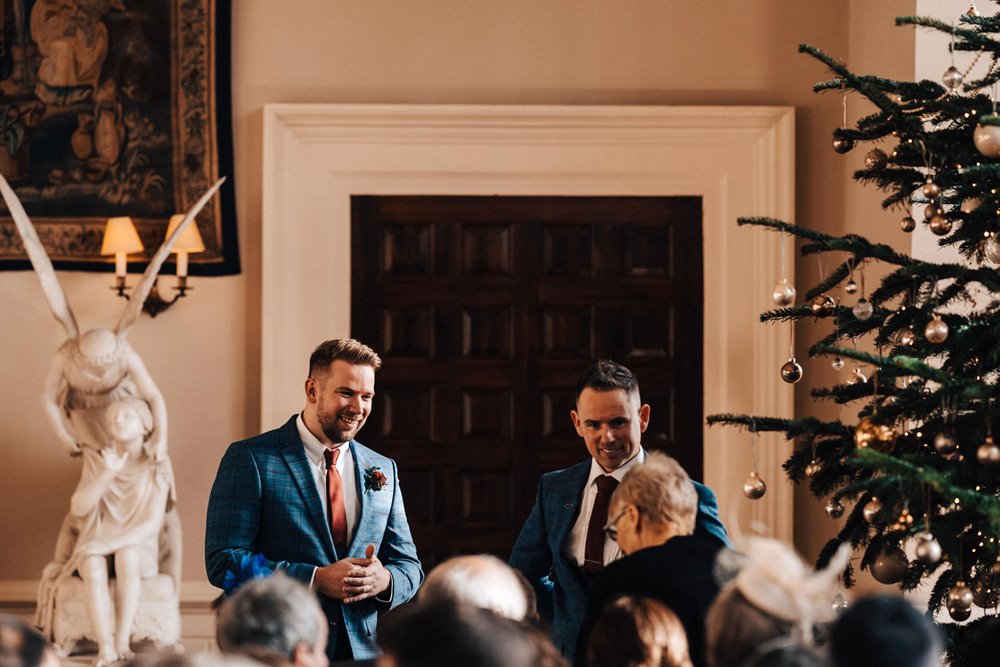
(482, 581)
(653, 503)
(21, 646)
(274, 620)
(450, 633)
(638, 632)
(886, 631)
(773, 596)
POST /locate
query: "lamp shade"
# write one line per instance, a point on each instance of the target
(190, 238)
(120, 237)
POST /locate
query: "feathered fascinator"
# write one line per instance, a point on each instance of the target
(773, 578)
(250, 567)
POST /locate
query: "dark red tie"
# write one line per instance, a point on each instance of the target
(335, 501)
(593, 552)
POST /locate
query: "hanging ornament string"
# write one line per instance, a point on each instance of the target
(754, 487)
(784, 291)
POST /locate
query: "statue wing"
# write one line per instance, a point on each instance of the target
(40, 261)
(141, 291)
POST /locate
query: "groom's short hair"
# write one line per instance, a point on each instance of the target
(345, 349)
(607, 375)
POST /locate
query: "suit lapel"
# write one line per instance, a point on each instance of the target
(360, 463)
(568, 497)
(294, 453)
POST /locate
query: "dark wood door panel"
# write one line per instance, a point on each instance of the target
(486, 310)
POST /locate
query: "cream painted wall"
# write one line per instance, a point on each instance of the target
(204, 354)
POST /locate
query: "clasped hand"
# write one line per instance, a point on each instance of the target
(353, 579)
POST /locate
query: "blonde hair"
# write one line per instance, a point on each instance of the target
(662, 491)
(638, 632)
(345, 349)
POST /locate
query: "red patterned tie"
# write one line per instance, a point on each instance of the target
(593, 552)
(335, 501)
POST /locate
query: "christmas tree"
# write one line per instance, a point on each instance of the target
(919, 462)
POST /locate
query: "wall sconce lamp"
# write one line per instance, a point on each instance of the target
(121, 239)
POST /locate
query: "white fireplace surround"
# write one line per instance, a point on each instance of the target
(740, 160)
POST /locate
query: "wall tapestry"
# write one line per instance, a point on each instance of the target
(111, 108)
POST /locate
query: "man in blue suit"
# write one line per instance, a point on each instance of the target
(319, 505)
(563, 546)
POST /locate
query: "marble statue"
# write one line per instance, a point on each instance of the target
(105, 408)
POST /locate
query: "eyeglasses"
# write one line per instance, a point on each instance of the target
(610, 528)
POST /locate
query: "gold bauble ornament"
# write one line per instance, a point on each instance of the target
(835, 508)
(932, 210)
(754, 488)
(822, 305)
(871, 433)
(907, 337)
(876, 158)
(890, 566)
(872, 510)
(907, 224)
(791, 371)
(931, 189)
(988, 452)
(944, 444)
(991, 248)
(959, 601)
(939, 225)
(842, 144)
(851, 287)
(928, 549)
(863, 309)
(813, 468)
(952, 78)
(936, 330)
(987, 139)
(784, 293)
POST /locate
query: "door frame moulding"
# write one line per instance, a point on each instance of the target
(740, 160)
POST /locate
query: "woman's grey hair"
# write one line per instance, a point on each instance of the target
(661, 490)
(275, 614)
(480, 580)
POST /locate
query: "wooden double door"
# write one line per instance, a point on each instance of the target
(486, 310)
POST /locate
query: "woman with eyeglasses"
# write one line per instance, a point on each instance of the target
(652, 518)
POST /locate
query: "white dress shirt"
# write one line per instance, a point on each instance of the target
(576, 541)
(345, 466)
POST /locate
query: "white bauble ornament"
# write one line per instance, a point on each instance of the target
(987, 140)
(784, 293)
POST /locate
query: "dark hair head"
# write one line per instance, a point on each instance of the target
(449, 633)
(607, 375)
(638, 632)
(975, 644)
(20, 646)
(884, 630)
(344, 349)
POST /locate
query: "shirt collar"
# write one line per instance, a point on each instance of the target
(596, 470)
(314, 448)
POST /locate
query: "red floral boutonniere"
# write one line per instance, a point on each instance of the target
(375, 479)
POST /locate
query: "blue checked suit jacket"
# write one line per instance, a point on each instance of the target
(265, 501)
(559, 584)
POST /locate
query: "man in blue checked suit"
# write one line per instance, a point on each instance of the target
(319, 505)
(563, 546)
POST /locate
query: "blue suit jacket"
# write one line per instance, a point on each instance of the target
(265, 501)
(558, 582)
